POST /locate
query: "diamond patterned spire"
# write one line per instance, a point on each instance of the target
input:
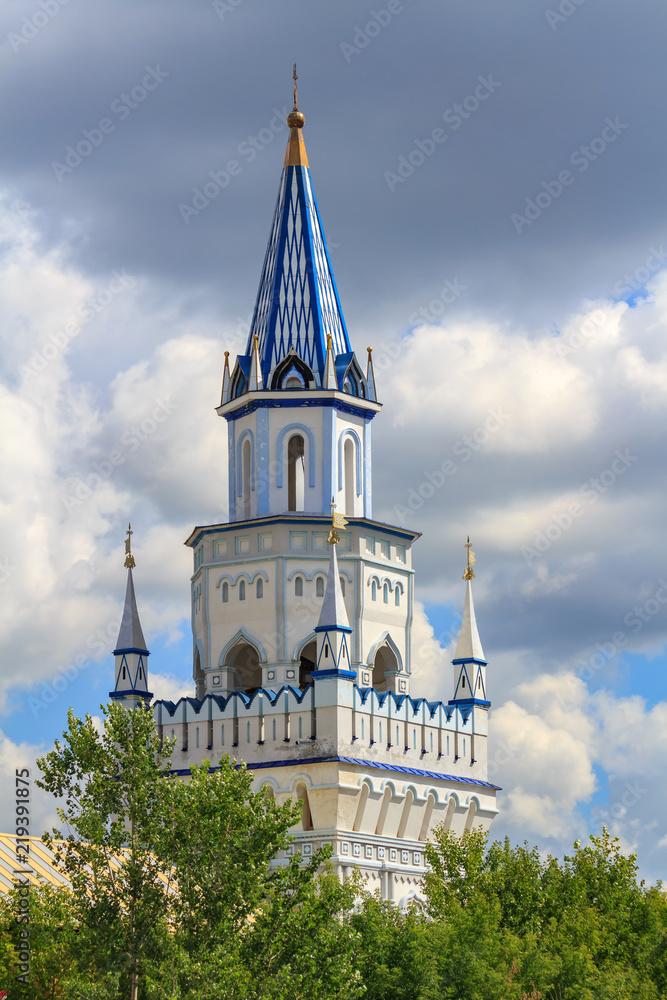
(297, 302)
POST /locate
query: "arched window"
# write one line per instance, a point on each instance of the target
(342, 585)
(260, 587)
(222, 735)
(140, 673)
(296, 473)
(247, 733)
(300, 728)
(124, 673)
(298, 586)
(397, 736)
(246, 454)
(274, 729)
(247, 672)
(414, 739)
(197, 737)
(463, 681)
(380, 732)
(448, 746)
(319, 587)
(362, 729)
(293, 382)
(464, 747)
(385, 593)
(374, 591)
(242, 590)
(397, 596)
(385, 662)
(307, 663)
(348, 460)
(225, 593)
(306, 816)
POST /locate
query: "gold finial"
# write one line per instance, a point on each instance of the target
(255, 342)
(468, 573)
(295, 118)
(337, 521)
(226, 354)
(129, 558)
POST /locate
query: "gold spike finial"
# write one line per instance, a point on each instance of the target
(295, 118)
(129, 558)
(468, 573)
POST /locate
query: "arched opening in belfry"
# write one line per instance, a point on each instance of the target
(199, 679)
(307, 664)
(244, 658)
(246, 458)
(348, 462)
(385, 663)
(306, 815)
(296, 473)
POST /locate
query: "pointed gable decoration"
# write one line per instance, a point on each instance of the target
(297, 302)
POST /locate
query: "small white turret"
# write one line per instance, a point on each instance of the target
(131, 654)
(333, 627)
(469, 663)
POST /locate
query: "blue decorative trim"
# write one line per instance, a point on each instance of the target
(332, 628)
(348, 674)
(247, 433)
(147, 695)
(470, 659)
(468, 702)
(199, 531)
(397, 768)
(263, 455)
(142, 652)
(315, 400)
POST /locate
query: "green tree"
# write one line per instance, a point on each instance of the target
(176, 890)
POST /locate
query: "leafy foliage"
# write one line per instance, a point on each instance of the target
(185, 889)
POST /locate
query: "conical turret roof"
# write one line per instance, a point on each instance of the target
(297, 302)
(130, 635)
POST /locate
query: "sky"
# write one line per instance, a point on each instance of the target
(491, 183)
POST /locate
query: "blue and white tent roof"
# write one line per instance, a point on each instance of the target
(297, 302)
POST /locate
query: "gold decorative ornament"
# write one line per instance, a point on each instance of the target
(337, 521)
(129, 558)
(468, 573)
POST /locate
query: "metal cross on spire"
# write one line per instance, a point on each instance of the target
(129, 558)
(295, 78)
(468, 573)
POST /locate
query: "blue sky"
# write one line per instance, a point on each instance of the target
(491, 182)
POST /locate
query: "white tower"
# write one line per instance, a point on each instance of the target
(301, 657)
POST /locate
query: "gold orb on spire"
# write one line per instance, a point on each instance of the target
(295, 118)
